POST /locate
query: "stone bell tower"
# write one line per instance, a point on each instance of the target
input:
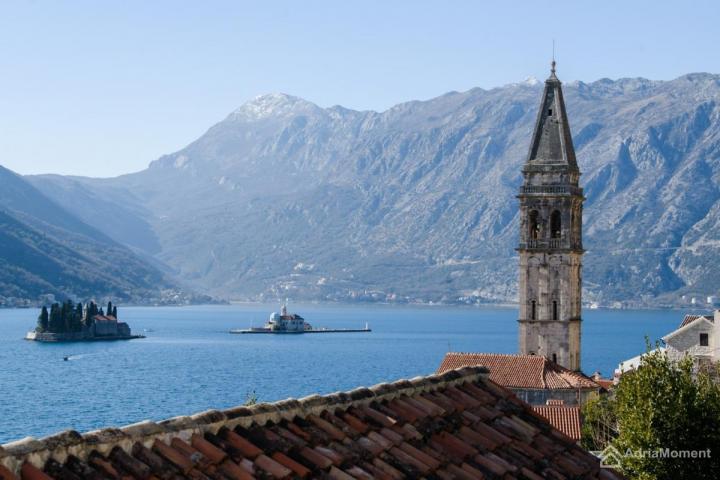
(551, 237)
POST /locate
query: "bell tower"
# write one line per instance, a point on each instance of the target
(550, 246)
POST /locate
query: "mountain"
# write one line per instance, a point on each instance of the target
(416, 203)
(45, 250)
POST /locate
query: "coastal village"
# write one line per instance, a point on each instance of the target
(480, 415)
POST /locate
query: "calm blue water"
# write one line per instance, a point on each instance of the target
(188, 363)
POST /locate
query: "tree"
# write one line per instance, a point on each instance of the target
(55, 321)
(109, 308)
(78, 318)
(114, 311)
(599, 423)
(663, 405)
(43, 320)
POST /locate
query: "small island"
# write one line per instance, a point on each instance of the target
(68, 322)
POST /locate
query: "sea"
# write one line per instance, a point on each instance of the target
(189, 363)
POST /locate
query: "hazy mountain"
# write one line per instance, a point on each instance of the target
(284, 198)
(46, 250)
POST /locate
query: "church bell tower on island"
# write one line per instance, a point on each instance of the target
(550, 246)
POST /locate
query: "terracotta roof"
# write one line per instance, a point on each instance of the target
(565, 418)
(606, 383)
(519, 371)
(455, 425)
(691, 318)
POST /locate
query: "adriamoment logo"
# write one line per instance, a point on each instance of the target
(611, 457)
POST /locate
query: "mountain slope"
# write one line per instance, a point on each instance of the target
(284, 198)
(46, 250)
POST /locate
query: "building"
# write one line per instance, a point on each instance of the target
(565, 418)
(455, 425)
(631, 364)
(108, 326)
(534, 379)
(550, 246)
(698, 337)
(548, 367)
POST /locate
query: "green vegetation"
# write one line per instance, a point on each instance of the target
(250, 399)
(661, 405)
(68, 317)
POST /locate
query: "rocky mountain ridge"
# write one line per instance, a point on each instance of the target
(416, 203)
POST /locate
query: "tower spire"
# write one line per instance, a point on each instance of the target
(550, 249)
(551, 141)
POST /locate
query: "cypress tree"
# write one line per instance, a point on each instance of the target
(109, 308)
(67, 311)
(114, 312)
(78, 317)
(43, 320)
(55, 320)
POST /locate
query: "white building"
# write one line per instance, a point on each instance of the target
(697, 336)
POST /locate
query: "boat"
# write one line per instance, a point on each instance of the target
(292, 323)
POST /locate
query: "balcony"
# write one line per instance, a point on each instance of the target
(544, 244)
(550, 190)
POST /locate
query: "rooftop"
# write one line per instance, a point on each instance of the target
(565, 418)
(520, 371)
(457, 424)
(688, 319)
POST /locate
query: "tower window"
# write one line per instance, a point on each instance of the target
(549, 111)
(555, 224)
(704, 340)
(532, 310)
(555, 310)
(534, 225)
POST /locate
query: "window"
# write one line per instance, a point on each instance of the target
(555, 310)
(534, 225)
(532, 310)
(555, 224)
(704, 340)
(554, 358)
(549, 111)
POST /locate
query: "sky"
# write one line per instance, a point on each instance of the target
(103, 88)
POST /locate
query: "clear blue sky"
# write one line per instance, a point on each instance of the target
(102, 88)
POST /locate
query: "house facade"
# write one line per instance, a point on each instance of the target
(698, 337)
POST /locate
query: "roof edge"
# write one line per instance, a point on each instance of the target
(687, 326)
(61, 445)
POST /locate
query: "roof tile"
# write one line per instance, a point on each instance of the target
(234, 471)
(520, 371)
(565, 418)
(242, 445)
(453, 425)
(274, 468)
(297, 468)
(6, 474)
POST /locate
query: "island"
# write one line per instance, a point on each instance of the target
(284, 322)
(68, 322)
